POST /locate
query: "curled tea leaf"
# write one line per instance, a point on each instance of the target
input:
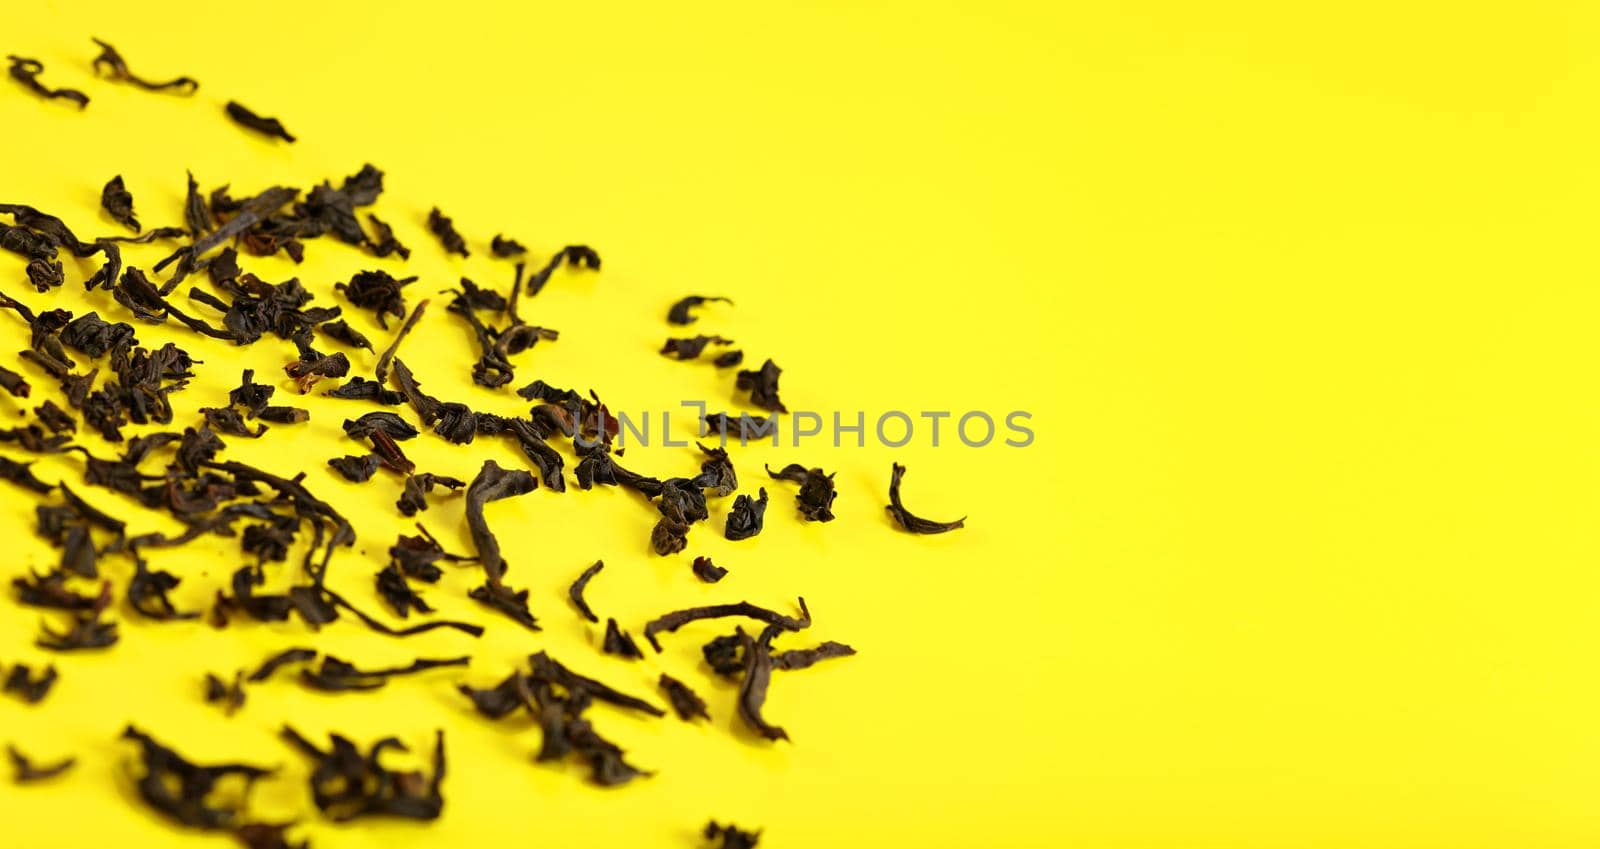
(116, 68)
(914, 524)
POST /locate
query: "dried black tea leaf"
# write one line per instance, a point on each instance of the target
(191, 794)
(677, 619)
(116, 200)
(442, 227)
(492, 484)
(51, 591)
(27, 71)
(669, 536)
(346, 784)
(54, 418)
(757, 676)
(725, 655)
(23, 770)
(513, 603)
(619, 642)
(679, 314)
(684, 701)
(536, 449)
(384, 242)
(729, 359)
(414, 496)
(389, 423)
(558, 697)
(22, 475)
(547, 668)
(716, 473)
(355, 469)
(362, 389)
(229, 695)
(378, 291)
(815, 499)
(281, 659)
(278, 414)
(14, 384)
(729, 837)
(87, 632)
(116, 68)
(269, 127)
(197, 214)
(505, 248)
(707, 571)
(389, 453)
(574, 255)
(690, 348)
(762, 384)
(500, 700)
(575, 592)
(746, 517)
(912, 523)
(541, 391)
(416, 557)
(21, 683)
(341, 331)
(228, 420)
(392, 587)
(381, 371)
(803, 658)
(148, 236)
(335, 675)
(147, 594)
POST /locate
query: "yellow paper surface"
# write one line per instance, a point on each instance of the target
(1299, 301)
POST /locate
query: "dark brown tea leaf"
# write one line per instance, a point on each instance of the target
(118, 203)
(679, 314)
(23, 770)
(685, 701)
(112, 63)
(269, 127)
(575, 592)
(26, 72)
(914, 524)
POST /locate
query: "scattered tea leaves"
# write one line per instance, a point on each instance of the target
(346, 784)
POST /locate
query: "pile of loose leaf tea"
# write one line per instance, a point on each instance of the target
(117, 424)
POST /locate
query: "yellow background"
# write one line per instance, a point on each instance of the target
(1300, 300)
